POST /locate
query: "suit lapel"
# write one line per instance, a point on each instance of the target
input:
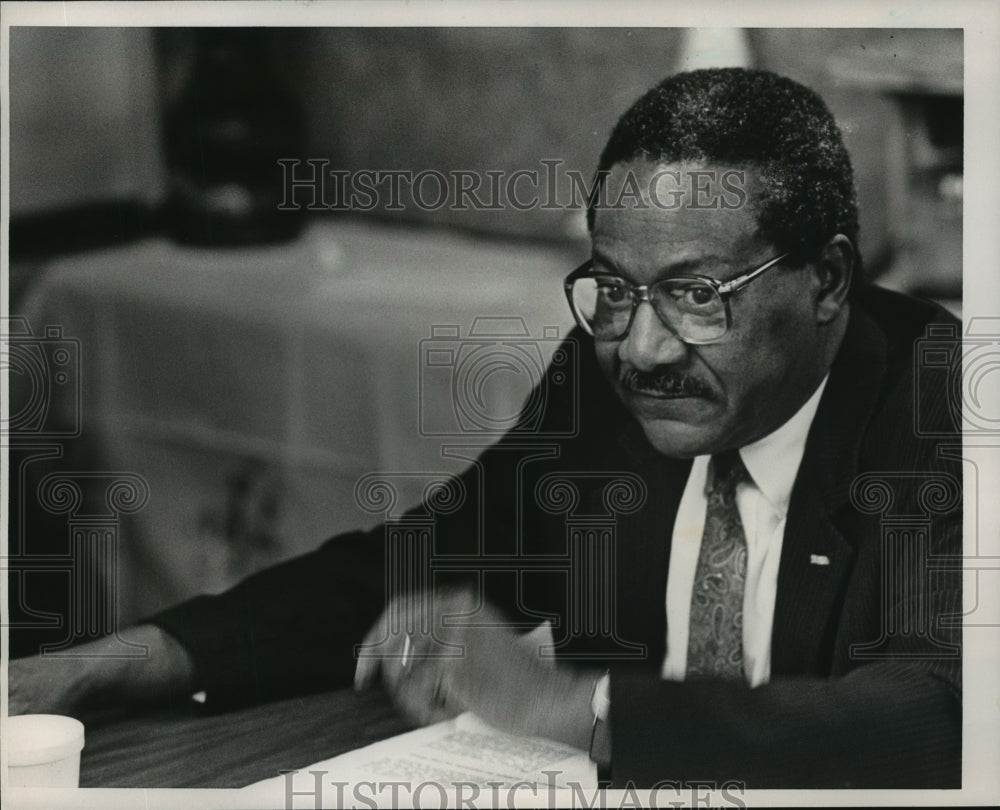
(816, 558)
(815, 562)
(644, 547)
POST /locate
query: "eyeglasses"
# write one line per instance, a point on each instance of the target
(695, 308)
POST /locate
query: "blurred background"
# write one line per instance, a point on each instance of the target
(200, 379)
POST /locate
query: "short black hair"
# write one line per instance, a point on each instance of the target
(749, 119)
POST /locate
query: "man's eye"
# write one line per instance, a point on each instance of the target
(701, 295)
(612, 292)
(694, 295)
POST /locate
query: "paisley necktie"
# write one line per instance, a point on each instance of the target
(715, 640)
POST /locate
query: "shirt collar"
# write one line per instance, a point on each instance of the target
(773, 461)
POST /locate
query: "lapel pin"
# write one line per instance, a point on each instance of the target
(819, 559)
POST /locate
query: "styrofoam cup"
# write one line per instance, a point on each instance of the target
(43, 750)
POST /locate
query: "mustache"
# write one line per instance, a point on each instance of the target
(664, 382)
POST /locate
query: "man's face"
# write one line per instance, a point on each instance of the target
(701, 399)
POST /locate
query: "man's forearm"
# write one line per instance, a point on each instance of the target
(165, 672)
(95, 675)
(877, 727)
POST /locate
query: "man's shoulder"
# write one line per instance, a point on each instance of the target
(908, 325)
(903, 319)
(917, 399)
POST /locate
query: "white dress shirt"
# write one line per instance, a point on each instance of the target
(773, 463)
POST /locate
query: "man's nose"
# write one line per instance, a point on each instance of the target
(650, 342)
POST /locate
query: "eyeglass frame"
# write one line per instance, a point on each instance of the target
(640, 292)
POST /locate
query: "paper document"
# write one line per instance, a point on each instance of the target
(454, 754)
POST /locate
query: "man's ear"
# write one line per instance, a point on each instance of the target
(833, 269)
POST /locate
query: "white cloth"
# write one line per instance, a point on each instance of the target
(265, 382)
(773, 463)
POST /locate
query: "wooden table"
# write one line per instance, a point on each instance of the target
(166, 749)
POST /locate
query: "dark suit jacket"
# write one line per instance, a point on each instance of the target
(865, 667)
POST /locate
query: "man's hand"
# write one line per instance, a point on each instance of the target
(92, 676)
(469, 659)
(412, 664)
(47, 685)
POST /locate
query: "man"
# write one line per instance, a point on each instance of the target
(743, 400)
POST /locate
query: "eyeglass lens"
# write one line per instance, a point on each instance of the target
(691, 308)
